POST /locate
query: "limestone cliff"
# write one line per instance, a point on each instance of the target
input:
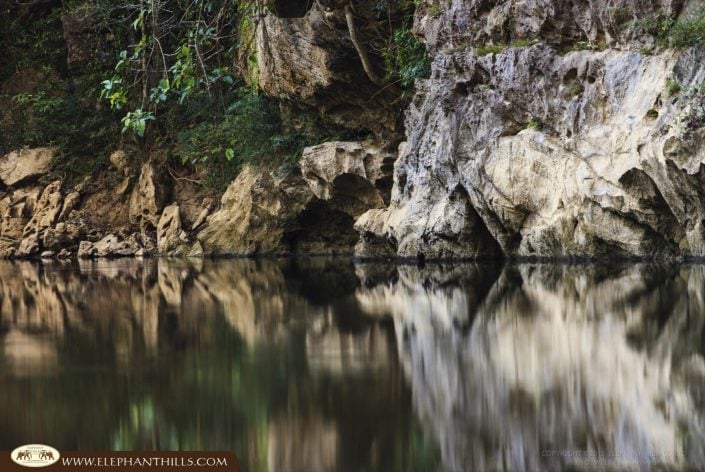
(568, 140)
(546, 129)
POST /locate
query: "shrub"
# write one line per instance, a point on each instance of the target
(673, 87)
(499, 47)
(673, 33)
(249, 133)
(534, 125)
(688, 32)
(410, 59)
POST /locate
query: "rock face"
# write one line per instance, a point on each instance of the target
(306, 210)
(354, 176)
(21, 166)
(148, 197)
(171, 238)
(311, 58)
(533, 151)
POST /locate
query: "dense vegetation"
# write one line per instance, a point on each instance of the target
(179, 76)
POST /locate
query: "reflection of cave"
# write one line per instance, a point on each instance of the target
(322, 229)
(291, 8)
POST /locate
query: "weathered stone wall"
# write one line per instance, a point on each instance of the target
(539, 151)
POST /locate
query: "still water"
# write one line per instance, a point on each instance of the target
(320, 364)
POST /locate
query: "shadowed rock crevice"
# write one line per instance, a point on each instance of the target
(321, 228)
(291, 8)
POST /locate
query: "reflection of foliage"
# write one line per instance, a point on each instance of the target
(203, 387)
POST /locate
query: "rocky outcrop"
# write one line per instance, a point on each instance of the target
(311, 59)
(148, 198)
(171, 238)
(310, 209)
(454, 24)
(112, 246)
(45, 213)
(533, 151)
(19, 167)
(353, 176)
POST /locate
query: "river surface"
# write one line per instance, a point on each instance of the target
(322, 364)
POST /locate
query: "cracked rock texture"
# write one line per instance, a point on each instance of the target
(534, 151)
(308, 209)
(311, 59)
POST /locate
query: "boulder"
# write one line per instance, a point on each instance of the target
(352, 176)
(45, 213)
(147, 198)
(255, 213)
(171, 238)
(110, 246)
(19, 167)
(121, 162)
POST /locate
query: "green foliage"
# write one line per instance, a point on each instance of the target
(136, 121)
(405, 57)
(576, 46)
(673, 87)
(411, 59)
(535, 125)
(688, 32)
(669, 32)
(175, 52)
(483, 50)
(618, 15)
(250, 132)
(29, 41)
(575, 89)
(655, 25)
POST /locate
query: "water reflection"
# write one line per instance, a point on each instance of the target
(552, 362)
(273, 360)
(304, 365)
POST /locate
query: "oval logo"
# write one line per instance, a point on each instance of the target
(35, 455)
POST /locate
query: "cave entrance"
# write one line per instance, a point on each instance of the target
(291, 8)
(321, 229)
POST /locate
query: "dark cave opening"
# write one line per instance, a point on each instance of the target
(291, 8)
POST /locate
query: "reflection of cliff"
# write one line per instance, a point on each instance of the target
(271, 359)
(552, 358)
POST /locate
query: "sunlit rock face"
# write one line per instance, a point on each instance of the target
(309, 209)
(553, 361)
(549, 149)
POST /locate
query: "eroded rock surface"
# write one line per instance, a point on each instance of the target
(310, 209)
(536, 152)
(17, 167)
(312, 59)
